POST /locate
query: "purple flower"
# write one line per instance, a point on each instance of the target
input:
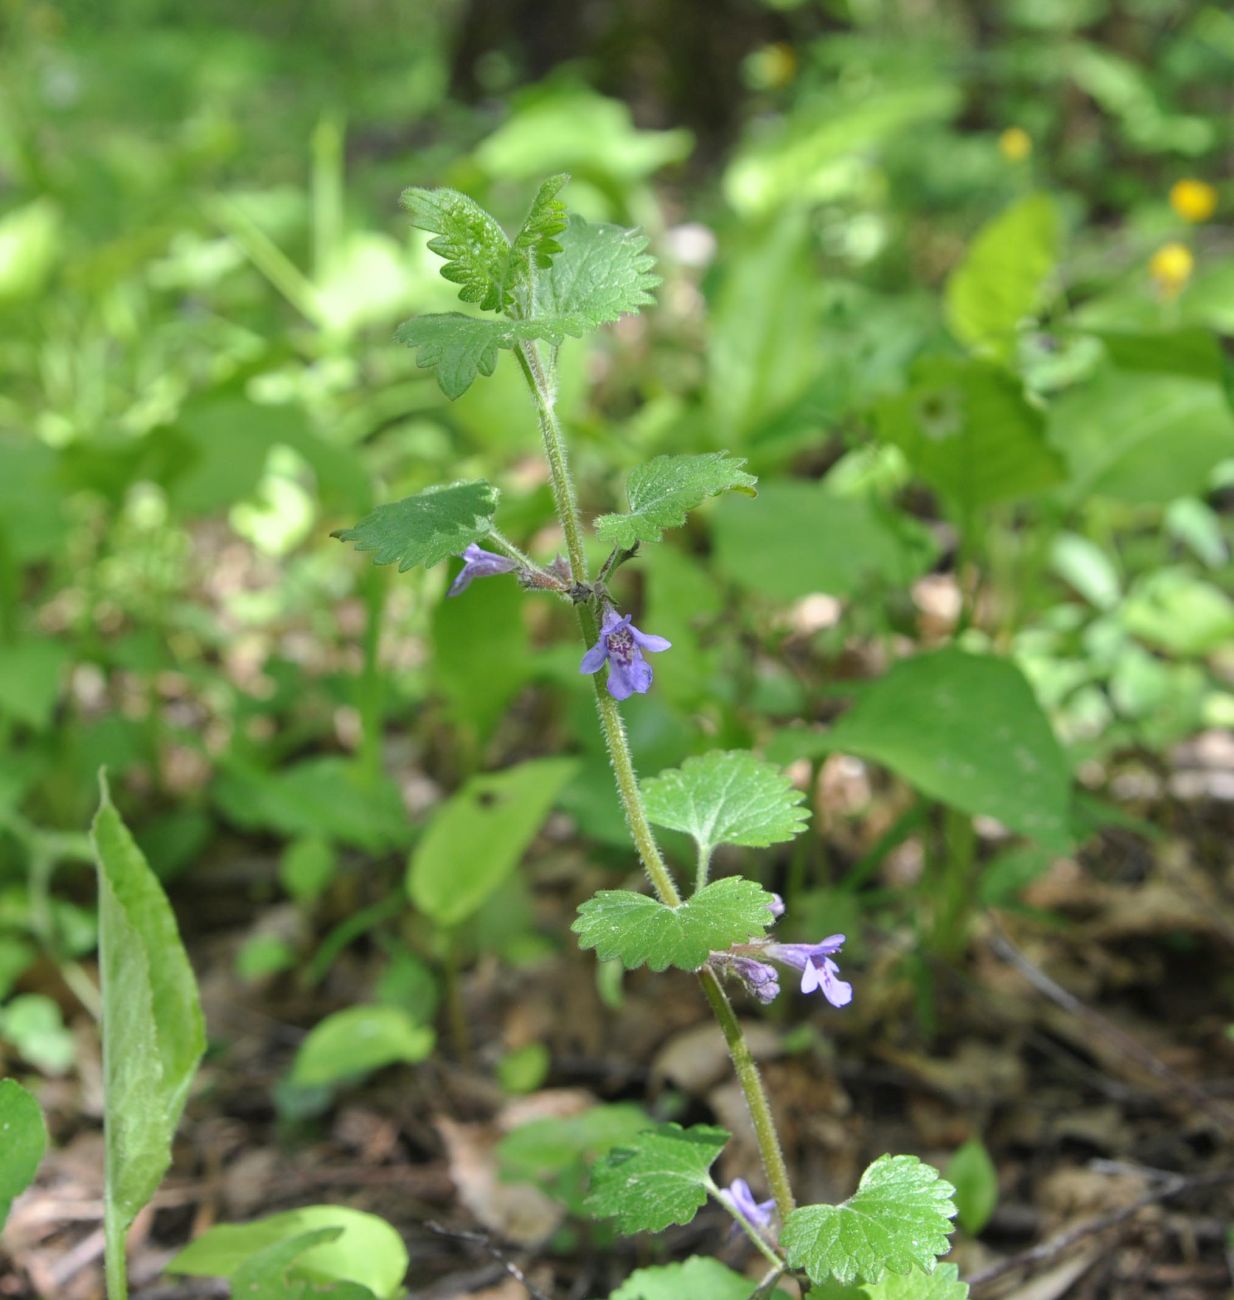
(757, 1214)
(761, 981)
(817, 969)
(776, 906)
(479, 563)
(622, 645)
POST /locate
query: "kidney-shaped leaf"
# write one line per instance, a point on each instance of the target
(898, 1219)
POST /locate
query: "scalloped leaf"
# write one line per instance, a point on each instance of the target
(727, 797)
(536, 243)
(426, 528)
(601, 274)
(456, 347)
(697, 1278)
(898, 1219)
(661, 491)
(475, 247)
(637, 930)
(661, 1180)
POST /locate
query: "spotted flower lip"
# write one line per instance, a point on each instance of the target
(738, 1196)
(817, 969)
(621, 646)
(479, 563)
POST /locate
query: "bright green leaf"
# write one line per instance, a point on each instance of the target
(270, 1273)
(727, 797)
(1086, 567)
(23, 1140)
(660, 1180)
(1173, 610)
(458, 347)
(31, 671)
(536, 243)
(971, 1172)
(898, 1219)
(943, 1284)
(428, 527)
(153, 1032)
(661, 491)
(478, 836)
(1002, 281)
(368, 1251)
(475, 247)
(638, 930)
(697, 1278)
(34, 1024)
(358, 1040)
(967, 429)
(601, 274)
(966, 729)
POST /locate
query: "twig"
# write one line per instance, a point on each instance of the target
(479, 1239)
(1129, 1046)
(1048, 1250)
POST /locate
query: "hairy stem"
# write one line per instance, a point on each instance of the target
(752, 1087)
(703, 870)
(631, 797)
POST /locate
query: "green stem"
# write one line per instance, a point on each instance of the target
(703, 870)
(631, 797)
(503, 543)
(752, 1086)
(114, 1263)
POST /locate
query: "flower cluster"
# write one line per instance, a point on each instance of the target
(814, 960)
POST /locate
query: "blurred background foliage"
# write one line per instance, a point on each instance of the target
(923, 265)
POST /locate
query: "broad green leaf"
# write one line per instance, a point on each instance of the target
(153, 1032)
(428, 527)
(368, 1250)
(966, 729)
(638, 930)
(1174, 610)
(459, 347)
(897, 1220)
(30, 674)
(34, 1024)
(971, 1172)
(23, 1140)
(479, 835)
(661, 1179)
(799, 538)
(967, 429)
(270, 1274)
(1142, 437)
(697, 1278)
(329, 797)
(601, 274)
(727, 797)
(475, 247)
(661, 491)
(358, 1040)
(943, 1284)
(1002, 280)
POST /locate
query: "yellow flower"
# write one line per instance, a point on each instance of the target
(1015, 144)
(1171, 268)
(1193, 200)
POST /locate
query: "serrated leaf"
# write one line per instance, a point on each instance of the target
(426, 528)
(698, 1278)
(536, 243)
(637, 930)
(601, 274)
(661, 1180)
(898, 1219)
(943, 1284)
(457, 347)
(727, 797)
(23, 1140)
(661, 491)
(475, 247)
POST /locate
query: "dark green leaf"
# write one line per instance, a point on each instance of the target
(661, 492)
(637, 930)
(428, 527)
(660, 1180)
(475, 247)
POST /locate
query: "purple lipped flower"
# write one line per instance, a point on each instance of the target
(622, 645)
(817, 969)
(738, 1196)
(761, 981)
(479, 563)
(776, 906)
